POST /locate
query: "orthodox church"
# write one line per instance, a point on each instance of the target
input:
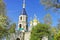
(23, 24)
(24, 31)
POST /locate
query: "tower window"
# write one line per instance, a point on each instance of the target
(17, 39)
(21, 18)
(20, 25)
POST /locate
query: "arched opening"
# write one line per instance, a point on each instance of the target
(20, 26)
(17, 39)
(20, 18)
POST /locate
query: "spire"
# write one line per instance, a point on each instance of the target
(23, 3)
(23, 10)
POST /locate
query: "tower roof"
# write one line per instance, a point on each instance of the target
(23, 12)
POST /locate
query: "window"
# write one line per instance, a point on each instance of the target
(20, 25)
(17, 39)
(20, 18)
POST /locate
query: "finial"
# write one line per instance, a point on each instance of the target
(23, 3)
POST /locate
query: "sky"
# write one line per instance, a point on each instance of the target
(14, 8)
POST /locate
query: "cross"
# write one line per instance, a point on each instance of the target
(23, 3)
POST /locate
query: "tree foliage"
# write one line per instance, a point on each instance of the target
(58, 25)
(39, 31)
(50, 3)
(2, 7)
(12, 28)
(4, 22)
(58, 36)
(48, 19)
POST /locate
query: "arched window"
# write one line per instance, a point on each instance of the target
(20, 25)
(17, 39)
(20, 18)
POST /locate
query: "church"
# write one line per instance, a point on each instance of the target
(24, 32)
(23, 24)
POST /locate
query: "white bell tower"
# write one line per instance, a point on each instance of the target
(22, 24)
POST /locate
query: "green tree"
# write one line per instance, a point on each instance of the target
(2, 7)
(58, 25)
(12, 28)
(57, 36)
(5, 27)
(3, 20)
(48, 19)
(53, 33)
(51, 3)
(39, 31)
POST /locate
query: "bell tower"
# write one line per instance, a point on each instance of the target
(22, 24)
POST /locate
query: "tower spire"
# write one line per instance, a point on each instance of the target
(23, 3)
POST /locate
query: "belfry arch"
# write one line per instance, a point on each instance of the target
(18, 39)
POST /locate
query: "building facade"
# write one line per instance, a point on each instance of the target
(24, 31)
(23, 24)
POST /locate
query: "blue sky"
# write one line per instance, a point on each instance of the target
(14, 8)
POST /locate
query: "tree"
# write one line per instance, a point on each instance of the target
(3, 25)
(3, 20)
(12, 28)
(5, 29)
(58, 26)
(50, 3)
(57, 36)
(53, 33)
(39, 31)
(2, 7)
(48, 19)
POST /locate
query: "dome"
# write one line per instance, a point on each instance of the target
(35, 20)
